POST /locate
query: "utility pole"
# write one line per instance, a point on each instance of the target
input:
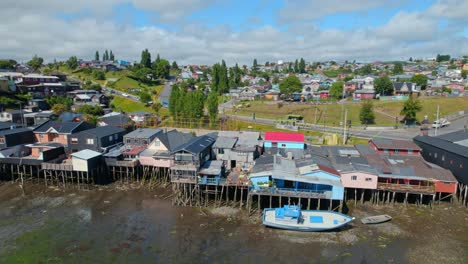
(438, 122)
(344, 126)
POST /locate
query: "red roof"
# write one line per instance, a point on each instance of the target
(284, 137)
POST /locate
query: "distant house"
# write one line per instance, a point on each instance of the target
(13, 116)
(141, 136)
(141, 118)
(99, 139)
(363, 95)
(248, 94)
(38, 118)
(285, 140)
(91, 99)
(35, 105)
(116, 120)
(17, 136)
(405, 88)
(59, 132)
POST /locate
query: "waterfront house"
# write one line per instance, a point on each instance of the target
(141, 136)
(59, 132)
(159, 151)
(44, 152)
(86, 160)
(238, 149)
(450, 151)
(354, 169)
(306, 178)
(99, 139)
(212, 172)
(411, 174)
(188, 158)
(284, 140)
(393, 146)
(17, 136)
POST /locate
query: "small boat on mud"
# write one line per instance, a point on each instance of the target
(291, 217)
(377, 219)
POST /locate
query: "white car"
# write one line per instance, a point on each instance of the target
(125, 95)
(440, 123)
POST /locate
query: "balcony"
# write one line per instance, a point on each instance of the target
(406, 188)
(122, 163)
(299, 193)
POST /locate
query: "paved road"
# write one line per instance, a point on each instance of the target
(166, 92)
(120, 93)
(455, 125)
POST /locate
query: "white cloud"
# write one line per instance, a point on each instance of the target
(306, 10)
(36, 30)
(457, 9)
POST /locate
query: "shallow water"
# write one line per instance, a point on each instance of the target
(106, 226)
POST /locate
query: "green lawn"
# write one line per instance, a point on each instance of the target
(332, 114)
(126, 82)
(127, 105)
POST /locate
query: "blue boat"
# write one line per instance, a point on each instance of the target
(291, 217)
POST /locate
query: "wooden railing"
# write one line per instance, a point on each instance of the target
(122, 163)
(406, 188)
(292, 193)
(55, 166)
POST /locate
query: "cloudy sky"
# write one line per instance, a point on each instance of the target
(206, 31)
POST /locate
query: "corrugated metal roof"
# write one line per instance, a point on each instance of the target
(86, 154)
(284, 137)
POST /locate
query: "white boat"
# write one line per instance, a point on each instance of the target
(376, 219)
(291, 217)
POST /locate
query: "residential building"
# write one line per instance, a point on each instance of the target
(141, 137)
(393, 146)
(99, 139)
(13, 116)
(238, 150)
(405, 88)
(284, 140)
(59, 132)
(450, 151)
(116, 120)
(17, 136)
(141, 118)
(363, 95)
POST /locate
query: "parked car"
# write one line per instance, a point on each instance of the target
(440, 123)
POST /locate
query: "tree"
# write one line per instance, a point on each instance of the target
(296, 66)
(143, 75)
(302, 66)
(366, 114)
(145, 58)
(383, 85)
(94, 110)
(290, 84)
(35, 62)
(419, 80)
(7, 64)
(111, 56)
(410, 59)
(173, 99)
(336, 90)
(88, 85)
(464, 73)
(410, 109)
(441, 58)
(175, 66)
(255, 64)
(99, 75)
(398, 68)
(106, 55)
(161, 68)
(223, 86)
(366, 69)
(72, 63)
(156, 107)
(275, 80)
(58, 109)
(59, 100)
(96, 56)
(157, 58)
(145, 97)
(212, 106)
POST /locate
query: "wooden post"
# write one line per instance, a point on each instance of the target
(258, 203)
(355, 197)
(270, 200)
(362, 195)
(241, 201)
(308, 204)
(331, 204)
(341, 206)
(318, 204)
(406, 198)
(280, 198)
(235, 196)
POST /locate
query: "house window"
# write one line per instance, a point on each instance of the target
(435, 155)
(2, 140)
(145, 142)
(283, 145)
(443, 157)
(74, 140)
(451, 162)
(116, 136)
(90, 141)
(157, 143)
(110, 138)
(461, 165)
(274, 144)
(220, 151)
(411, 151)
(354, 178)
(368, 179)
(396, 151)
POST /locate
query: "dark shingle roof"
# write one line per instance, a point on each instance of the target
(196, 145)
(174, 139)
(116, 120)
(13, 131)
(454, 136)
(103, 131)
(7, 125)
(60, 127)
(443, 144)
(384, 143)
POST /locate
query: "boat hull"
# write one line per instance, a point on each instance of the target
(310, 221)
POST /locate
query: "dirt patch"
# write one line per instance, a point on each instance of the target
(225, 211)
